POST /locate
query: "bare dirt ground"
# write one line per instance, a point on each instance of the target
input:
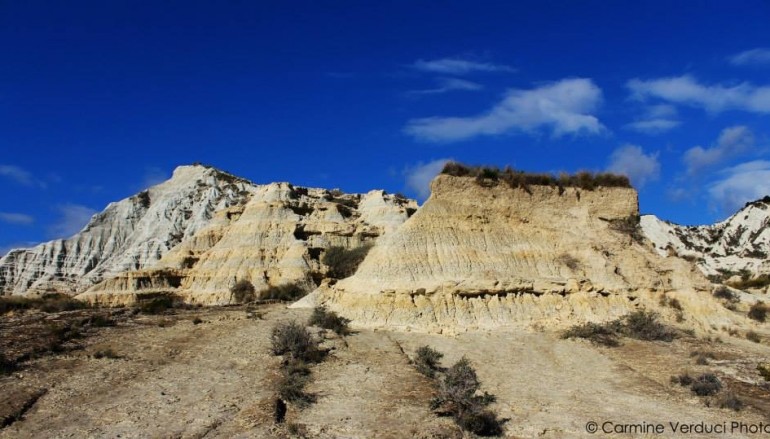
(166, 377)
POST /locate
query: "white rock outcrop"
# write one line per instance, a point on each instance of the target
(129, 234)
(741, 242)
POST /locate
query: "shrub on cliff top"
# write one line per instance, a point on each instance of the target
(520, 179)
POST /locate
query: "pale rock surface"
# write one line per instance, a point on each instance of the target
(741, 242)
(485, 257)
(130, 234)
(277, 238)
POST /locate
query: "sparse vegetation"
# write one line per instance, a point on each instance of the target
(730, 401)
(291, 387)
(49, 303)
(457, 397)
(706, 385)
(758, 312)
(641, 325)
(284, 292)
(427, 361)
(761, 281)
(764, 370)
(722, 292)
(294, 340)
(197, 321)
(490, 176)
(344, 262)
(601, 334)
(329, 320)
(753, 336)
(106, 353)
(156, 305)
(242, 291)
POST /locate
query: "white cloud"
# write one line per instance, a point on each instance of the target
(756, 56)
(419, 176)
(20, 176)
(458, 66)
(686, 90)
(449, 84)
(16, 218)
(630, 160)
(73, 217)
(653, 126)
(565, 107)
(732, 142)
(740, 184)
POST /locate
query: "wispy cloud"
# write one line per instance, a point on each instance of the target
(419, 176)
(20, 176)
(656, 119)
(72, 219)
(732, 142)
(739, 184)
(458, 66)
(686, 90)
(449, 84)
(564, 107)
(653, 126)
(630, 160)
(758, 56)
(16, 218)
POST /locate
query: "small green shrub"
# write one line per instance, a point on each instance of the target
(427, 361)
(758, 312)
(294, 339)
(706, 385)
(343, 262)
(242, 291)
(329, 320)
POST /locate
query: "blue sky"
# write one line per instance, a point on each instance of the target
(99, 99)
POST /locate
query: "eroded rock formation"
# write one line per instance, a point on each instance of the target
(488, 255)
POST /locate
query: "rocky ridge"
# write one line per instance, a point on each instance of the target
(485, 256)
(130, 234)
(741, 242)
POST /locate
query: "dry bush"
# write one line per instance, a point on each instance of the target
(243, 291)
(753, 336)
(285, 292)
(706, 385)
(344, 262)
(457, 398)
(49, 303)
(758, 312)
(427, 361)
(600, 334)
(294, 339)
(641, 325)
(329, 320)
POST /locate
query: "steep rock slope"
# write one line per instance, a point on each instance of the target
(741, 242)
(476, 256)
(277, 238)
(129, 234)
